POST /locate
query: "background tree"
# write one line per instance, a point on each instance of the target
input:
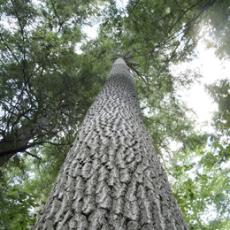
(202, 179)
(43, 93)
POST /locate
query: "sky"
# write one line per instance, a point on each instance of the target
(211, 69)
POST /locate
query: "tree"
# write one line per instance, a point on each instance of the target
(42, 93)
(111, 178)
(201, 169)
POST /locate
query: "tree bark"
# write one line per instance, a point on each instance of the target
(111, 178)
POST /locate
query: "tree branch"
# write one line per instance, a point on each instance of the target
(35, 156)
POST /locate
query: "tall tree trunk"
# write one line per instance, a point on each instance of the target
(111, 178)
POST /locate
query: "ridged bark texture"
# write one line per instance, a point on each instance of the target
(111, 178)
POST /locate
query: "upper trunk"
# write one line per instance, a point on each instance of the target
(111, 178)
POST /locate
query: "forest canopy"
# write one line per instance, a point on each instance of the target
(50, 73)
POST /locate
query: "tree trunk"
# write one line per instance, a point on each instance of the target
(111, 178)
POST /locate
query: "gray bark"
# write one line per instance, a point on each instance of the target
(111, 178)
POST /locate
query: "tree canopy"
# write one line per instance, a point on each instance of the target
(50, 73)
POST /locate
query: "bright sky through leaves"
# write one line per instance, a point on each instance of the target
(208, 65)
(211, 69)
(205, 62)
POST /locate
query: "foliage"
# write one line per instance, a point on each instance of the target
(25, 185)
(202, 184)
(15, 200)
(217, 19)
(221, 95)
(43, 93)
(201, 171)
